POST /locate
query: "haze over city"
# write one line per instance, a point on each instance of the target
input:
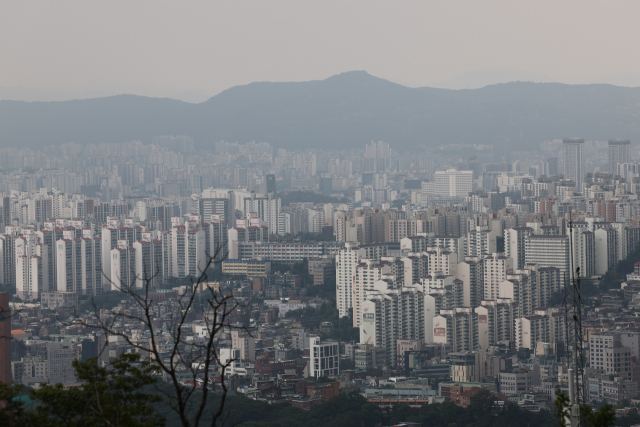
(380, 214)
(193, 51)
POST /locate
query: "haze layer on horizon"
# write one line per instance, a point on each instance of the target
(194, 50)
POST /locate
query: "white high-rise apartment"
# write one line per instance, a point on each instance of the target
(32, 278)
(346, 260)
(548, 251)
(514, 244)
(495, 322)
(367, 273)
(496, 266)
(390, 315)
(457, 327)
(148, 263)
(267, 208)
(618, 153)
(546, 325)
(481, 243)
(453, 183)
(573, 160)
(584, 252)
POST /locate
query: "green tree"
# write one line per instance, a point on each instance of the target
(110, 396)
(603, 417)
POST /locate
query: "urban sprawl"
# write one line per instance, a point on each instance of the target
(414, 277)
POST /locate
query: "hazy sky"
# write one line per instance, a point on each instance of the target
(213, 45)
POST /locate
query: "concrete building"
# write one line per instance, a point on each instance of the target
(471, 273)
(467, 366)
(584, 252)
(548, 251)
(346, 261)
(55, 299)
(367, 273)
(546, 325)
(267, 208)
(611, 389)
(5, 339)
(368, 357)
(60, 355)
(618, 153)
(245, 343)
(481, 243)
(514, 382)
(496, 322)
(246, 267)
(495, 269)
(324, 358)
(457, 327)
(515, 244)
(606, 246)
(453, 183)
(390, 315)
(573, 160)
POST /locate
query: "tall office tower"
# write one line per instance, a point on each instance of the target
(573, 160)
(271, 184)
(495, 322)
(546, 325)
(267, 208)
(618, 153)
(390, 315)
(5, 339)
(548, 251)
(495, 272)
(453, 183)
(471, 273)
(457, 327)
(514, 244)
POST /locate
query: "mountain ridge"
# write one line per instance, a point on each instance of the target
(342, 111)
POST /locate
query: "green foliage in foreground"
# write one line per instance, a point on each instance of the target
(110, 396)
(126, 394)
(603, 417)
